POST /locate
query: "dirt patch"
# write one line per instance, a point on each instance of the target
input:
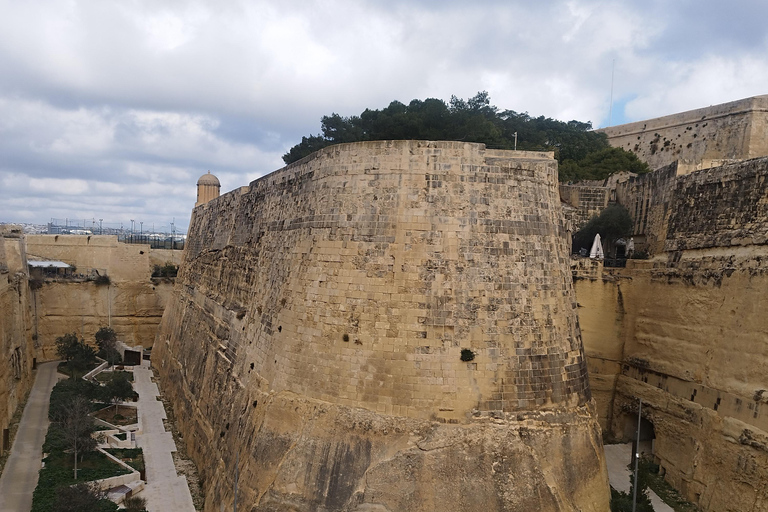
(184, 465)
(123, 415)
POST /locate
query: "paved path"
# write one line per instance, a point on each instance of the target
(165, 490)
(618, 457)
(20, 475)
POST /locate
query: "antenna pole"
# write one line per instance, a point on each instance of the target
(610, 110)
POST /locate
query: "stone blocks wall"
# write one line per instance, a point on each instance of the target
(16, 344)
(349, 283)
(688, 332)
(700, 138)
(588, 201)
(132, 303)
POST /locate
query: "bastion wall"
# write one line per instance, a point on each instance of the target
(699, 139)
(318, 325)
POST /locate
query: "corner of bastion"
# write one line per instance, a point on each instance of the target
(385, 326)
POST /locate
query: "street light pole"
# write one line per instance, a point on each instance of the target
(637, 455)
(100, 231)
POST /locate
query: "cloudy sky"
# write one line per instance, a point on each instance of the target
(113, 109)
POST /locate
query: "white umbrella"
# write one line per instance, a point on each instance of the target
(597, 248)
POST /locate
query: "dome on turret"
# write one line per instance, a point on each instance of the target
(208, 188)
(208, 179)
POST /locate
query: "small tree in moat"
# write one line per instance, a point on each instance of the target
(77, 427)
(106, 339)
(67, 346)
(118, 389)
(78, 355)
(613, 223)
(80, 497)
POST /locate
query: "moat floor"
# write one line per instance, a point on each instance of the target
(20, 475)
(618, 456)
(165, 490)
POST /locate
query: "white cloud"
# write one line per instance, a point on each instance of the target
(131, 101)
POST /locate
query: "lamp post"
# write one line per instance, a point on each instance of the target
(132, 229)
(637, 455)
(100, 231)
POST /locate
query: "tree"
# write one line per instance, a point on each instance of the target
(105, 334)
(613, 223)
(118, 389)
(598, 165)
(476, 120)
(77, 426)
(81, 497)
(82, 360)
(67, 346)
(106, 339)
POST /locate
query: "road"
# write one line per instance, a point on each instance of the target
(20, 475)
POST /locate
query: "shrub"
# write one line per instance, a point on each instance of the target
(467, 355)
(167, 270)
(614, 222)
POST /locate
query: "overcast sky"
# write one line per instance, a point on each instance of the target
(113, 109)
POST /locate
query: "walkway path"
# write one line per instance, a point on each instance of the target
(20, 475)
(618, 457)
(165, 490)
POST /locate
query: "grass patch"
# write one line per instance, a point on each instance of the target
(106, 376)
(134, 457)
(64, 369)
(58, 470)
(666, 492)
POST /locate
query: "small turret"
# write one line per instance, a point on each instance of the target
(208, 187)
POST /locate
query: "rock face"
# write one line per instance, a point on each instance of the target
(16, 345)
(385, 326)
(685, 331)
(132, 303)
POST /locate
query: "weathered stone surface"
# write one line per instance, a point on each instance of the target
(689, 338)
(701, 138)
(318, 321)
(16, 344)
(132, 303)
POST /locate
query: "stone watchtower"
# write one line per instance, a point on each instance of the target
(208, 187)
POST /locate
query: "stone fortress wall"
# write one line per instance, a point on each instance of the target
(700, 138)
(132, 303)
(17, 348)
(318, 323)
(684, 330)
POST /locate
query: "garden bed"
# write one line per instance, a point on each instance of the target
(105, 376)
(122, 416)
(134, 457)
(58, 470)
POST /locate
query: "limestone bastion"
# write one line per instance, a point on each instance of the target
(321, 326)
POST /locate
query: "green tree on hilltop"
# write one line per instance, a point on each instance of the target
(584, 154)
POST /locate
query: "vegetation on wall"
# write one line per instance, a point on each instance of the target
(584, 154)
